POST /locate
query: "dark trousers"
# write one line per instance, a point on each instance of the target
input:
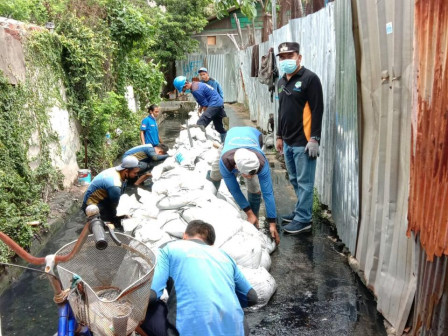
(215, 114)
(108, 213)
(156, 324)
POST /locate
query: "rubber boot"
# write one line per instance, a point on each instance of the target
(254, 201)
(215, 183)
(223, 136)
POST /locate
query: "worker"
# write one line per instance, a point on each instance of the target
(209, 100)
(148, 157)
(107, 187)
(207, 290)
(242, 154)
(149, 130)
(205, 78)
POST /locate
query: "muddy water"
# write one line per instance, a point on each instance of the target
(317, 293)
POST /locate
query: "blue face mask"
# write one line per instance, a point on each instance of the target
(288, 66)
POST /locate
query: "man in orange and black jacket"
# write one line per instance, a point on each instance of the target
(299, 128)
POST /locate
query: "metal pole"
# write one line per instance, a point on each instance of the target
(85, 152)
(274, 16)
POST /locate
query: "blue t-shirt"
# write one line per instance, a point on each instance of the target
(149, 126)
(206, 289)
(214, 84)
(106, 187)
(205, 95)
(145, 153)
(247, 137)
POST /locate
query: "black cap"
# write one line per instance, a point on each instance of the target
(288, 47)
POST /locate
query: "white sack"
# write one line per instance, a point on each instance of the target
(262, 282)
(265, 261)
(129, 224)
(126, 205)
(175, 227)
(267, 242)
(165, 186)
(167, 165)
(225, 226)
(244, 249)
(183, 198)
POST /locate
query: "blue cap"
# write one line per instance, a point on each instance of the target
(202, 70)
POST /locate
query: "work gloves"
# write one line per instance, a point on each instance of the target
(312, 147)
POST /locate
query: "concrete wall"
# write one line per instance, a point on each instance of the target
(12, 61)
(13, 65)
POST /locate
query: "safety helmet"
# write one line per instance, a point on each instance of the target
(179, 82)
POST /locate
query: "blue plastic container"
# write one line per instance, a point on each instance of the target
(84, 176)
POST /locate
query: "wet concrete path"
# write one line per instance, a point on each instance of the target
(318, 294)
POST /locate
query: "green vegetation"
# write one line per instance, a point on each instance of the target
(317, 206)
(98, 49)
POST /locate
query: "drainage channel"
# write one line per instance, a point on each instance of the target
(27, 308)
(318, 293)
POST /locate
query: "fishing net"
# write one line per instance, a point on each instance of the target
(110, 288)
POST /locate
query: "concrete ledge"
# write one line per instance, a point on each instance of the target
(177, 106)
(63, 204)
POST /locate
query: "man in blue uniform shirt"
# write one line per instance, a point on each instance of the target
(205, 78)
(207, 291)
(107, 187)
(149, 131)
(148, 157)
(208, 98)
(242, 154)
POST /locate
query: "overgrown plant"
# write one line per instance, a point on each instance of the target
(99, 48)
(317, 206)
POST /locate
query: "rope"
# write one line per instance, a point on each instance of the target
(62, 296)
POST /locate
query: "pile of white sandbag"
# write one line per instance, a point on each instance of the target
(182, 193)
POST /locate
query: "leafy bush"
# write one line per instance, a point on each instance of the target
(98, 49)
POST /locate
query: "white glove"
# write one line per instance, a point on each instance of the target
(312, 147)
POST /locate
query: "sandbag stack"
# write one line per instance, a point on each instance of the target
(182, 193)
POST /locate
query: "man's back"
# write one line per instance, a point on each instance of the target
(203, 283)
(142, 152)
(205, 95)
(106, 185)
(215, 85)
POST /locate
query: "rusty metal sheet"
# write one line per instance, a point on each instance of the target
(428, 197)
(431, 298)
(428, 203)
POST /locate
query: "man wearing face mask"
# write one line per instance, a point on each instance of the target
(107, 187)
(300, 113)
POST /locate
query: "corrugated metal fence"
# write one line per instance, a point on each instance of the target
(364, 58)
(428, 209)
(223, 68)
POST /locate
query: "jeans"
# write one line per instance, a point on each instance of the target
(253, 193)
(215, 114)
(301, 170)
